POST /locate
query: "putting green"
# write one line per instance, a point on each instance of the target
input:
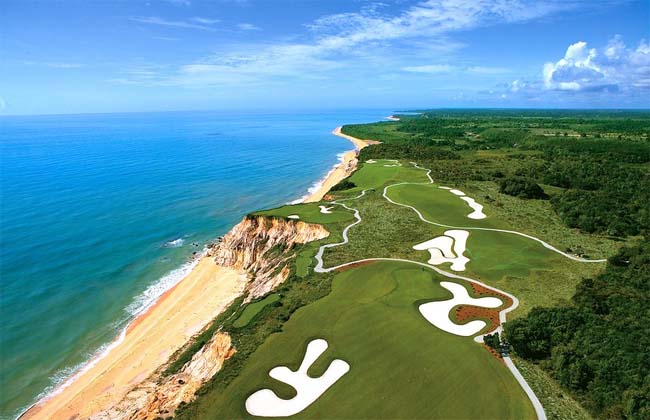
(401, 366)
(253, 309)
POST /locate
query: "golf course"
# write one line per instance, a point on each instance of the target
(401, 364)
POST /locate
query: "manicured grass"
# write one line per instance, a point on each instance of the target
(441, 206)
(253, 309)
(401, 366)
(376, 175)
(509, 262)
(309, 213)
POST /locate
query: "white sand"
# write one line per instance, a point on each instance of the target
(441, 251)
(325, 210)
(437, 313)
(445, 188)
(266, 403)
(293, 216)
(478, 209)
(457, 192)
(371, 161)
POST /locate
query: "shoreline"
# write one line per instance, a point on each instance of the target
(165, 325)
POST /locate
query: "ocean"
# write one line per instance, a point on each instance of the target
(101, 213)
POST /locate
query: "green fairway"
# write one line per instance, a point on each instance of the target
(253, 309)
(384, 172)
(440, 205)
(401, 366)
(310, 213)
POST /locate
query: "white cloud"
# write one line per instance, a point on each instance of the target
(3, 104)
(615, 67)
(193, 23)
(431, 68)
(205, 21)
(54, 65)
(347, 39)
(488, 70)
(248, 27)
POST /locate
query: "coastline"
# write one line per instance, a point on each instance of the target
(155, 334)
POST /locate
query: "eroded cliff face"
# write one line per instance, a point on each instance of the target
(263, 247)
(151, 399)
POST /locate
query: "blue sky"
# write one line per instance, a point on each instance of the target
(122, 56)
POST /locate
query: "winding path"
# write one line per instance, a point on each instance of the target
(319, 268)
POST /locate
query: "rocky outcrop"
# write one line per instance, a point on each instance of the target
(151, 400)
(262, 246)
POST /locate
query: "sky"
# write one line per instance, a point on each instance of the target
(59, 56)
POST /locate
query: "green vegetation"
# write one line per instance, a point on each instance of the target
(309, 213)
(401, 366)
(343, 185)
(558, 404)
(598, 160)
(593, 166)
(521, 188)
(598, 347)
(253, 309)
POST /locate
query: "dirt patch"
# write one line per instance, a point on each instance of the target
(493, 352)
(464, 313)
(353, 265)
(481, 291)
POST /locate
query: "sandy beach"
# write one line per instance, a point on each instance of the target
(150, 340)
(340, 171)
(156, 334)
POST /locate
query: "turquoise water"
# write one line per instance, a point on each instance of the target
(101, 213)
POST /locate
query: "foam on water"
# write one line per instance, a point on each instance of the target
(64, 378)
(318, 184)
(174, 243)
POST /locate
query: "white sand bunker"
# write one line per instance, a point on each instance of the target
(478, 209)
(437, 313)
(266, 403)
(293, 216)
(325, 210)
(447, 249)
(371, 161)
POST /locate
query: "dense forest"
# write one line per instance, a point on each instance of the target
(599, 161)
(598, 346)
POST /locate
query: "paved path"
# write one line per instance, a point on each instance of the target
(319, 268)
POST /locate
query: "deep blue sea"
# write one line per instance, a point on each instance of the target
(100, 214)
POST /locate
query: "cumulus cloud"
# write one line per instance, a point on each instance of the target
(612, 68)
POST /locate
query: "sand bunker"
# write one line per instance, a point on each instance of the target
(478, 209)
(325, 210)
(293, 216)
(371, 161)
(437, 313)
(447, 249)
(266, 403)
